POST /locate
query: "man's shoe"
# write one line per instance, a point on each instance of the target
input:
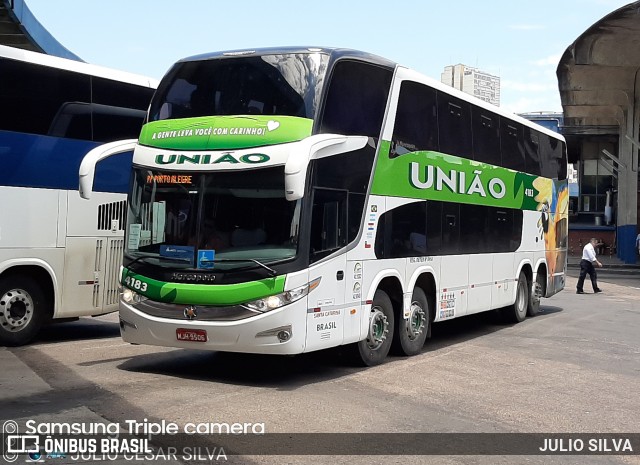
(597, 290)
(579, 292)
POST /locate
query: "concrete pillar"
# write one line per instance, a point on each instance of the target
(628, 185)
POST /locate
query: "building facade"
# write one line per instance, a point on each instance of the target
(472, 81)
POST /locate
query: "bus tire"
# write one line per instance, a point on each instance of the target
(517, 312)
(535, 292)
(23, 310)
(374, 349)
(411, 333)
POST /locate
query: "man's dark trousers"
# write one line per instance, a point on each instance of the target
(587, 268)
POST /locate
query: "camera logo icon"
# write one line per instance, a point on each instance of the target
(14, 443)
(9, 428)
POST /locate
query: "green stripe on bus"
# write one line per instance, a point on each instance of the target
(433, 175)
(205, 294)
(224, 132)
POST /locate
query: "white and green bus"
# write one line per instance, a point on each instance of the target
(289, 200)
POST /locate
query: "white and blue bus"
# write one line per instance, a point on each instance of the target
(290, 200)
(59, 256)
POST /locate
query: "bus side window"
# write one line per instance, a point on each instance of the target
(434, 227)
(407, 236)
(328, 222)
(500, 228)
(349, 173)
(31, 103)
(356, 99)
(486, 136)
(416, 123)
(383, 233)
(355, 208)
(474, 229)
(560, 153)
(450, 228)
(516, 229)
(120, 96)
(512, 145)
(454, 126)
(72, 120)
(553, 158)
(532, 150)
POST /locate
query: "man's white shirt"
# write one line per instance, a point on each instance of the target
(589, 253)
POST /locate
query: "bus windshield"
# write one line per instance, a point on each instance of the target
(211, 221)
(284, 85)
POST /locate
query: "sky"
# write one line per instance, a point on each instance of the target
(521, 41)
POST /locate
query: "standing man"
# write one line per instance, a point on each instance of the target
(587, 267)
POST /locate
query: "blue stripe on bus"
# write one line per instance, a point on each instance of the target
(30, 160)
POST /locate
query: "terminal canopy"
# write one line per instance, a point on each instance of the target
(598, 78)
(19, 28)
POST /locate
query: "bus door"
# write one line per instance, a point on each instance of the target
(328, 259)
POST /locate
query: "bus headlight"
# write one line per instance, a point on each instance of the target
(280, 300)
(132, 297)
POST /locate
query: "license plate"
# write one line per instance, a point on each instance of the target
(191, 335)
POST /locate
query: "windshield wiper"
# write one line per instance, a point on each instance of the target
(137, 259)
(271, 271)
(162, 257)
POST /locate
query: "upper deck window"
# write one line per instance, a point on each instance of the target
(284, 85)
(416, 124)
(356, 99)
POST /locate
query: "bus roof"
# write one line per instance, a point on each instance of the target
(334, 52)
(76, 66)
(339, 53)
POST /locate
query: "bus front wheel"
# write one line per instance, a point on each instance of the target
(375, 348)
(412, 333)
(517, 312)
(22, 310)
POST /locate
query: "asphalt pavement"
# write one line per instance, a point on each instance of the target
(573, 368)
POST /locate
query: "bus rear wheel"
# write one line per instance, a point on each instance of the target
(411, 333)
(535, 293)
(23, 310)
(517, 312)
(375, 348)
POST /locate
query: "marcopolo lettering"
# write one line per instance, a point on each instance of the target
(249, 158)
(201, 277)
(455, 181)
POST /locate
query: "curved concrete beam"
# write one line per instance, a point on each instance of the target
(19, 28)
(602, 62)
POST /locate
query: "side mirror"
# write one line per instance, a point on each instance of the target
(312, 148)
(88, 166)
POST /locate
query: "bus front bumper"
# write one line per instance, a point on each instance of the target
(281, 331)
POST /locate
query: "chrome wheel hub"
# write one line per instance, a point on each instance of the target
(16, 310)
(521, 301)
(416, 321)
(536, 293)
(378, 329)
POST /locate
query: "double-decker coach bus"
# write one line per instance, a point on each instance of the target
(60, 255)
(289, 200)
